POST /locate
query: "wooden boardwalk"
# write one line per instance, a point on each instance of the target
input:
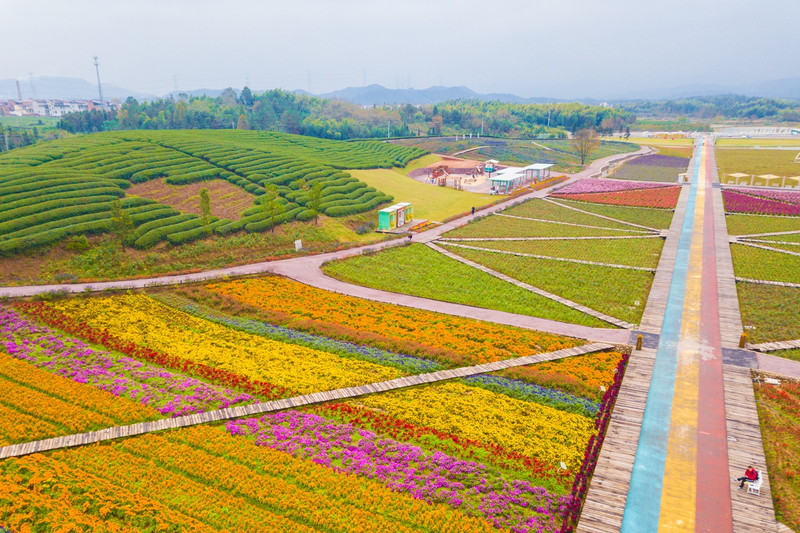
(569, 303)
(774, 346)
(605, 501)
(79, 439)
(656, 305)
(745, 448)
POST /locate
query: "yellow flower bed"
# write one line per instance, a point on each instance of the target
(146, 322)
(475, 342)
(518, 426)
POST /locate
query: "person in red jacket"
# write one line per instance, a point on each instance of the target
(750, 476)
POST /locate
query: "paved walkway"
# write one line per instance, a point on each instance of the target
(698, 427)
(80, 439)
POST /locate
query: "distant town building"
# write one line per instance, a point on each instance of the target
(52, 108)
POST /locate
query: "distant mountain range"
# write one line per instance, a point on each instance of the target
(46, 87)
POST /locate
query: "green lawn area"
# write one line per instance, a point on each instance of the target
(794, 355)
(609, 290)
(753, 224)
(755, 263)
(645, 216)
(500, 226)
(727, 143)
(550, 211)
(631, 252)
(791, 247)
(658, 143)
(769, 312)
(757, 162)
(430, 202)
(420, 271)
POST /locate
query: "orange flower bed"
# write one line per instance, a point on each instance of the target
(459, 341)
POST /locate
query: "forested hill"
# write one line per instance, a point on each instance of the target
(726, 106)
(335, 119)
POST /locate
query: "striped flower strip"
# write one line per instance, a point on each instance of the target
(589, 185)
(432, 477)
(404, 362)
(170, 393)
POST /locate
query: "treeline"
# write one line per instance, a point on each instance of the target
(288, 112)
(725, 106)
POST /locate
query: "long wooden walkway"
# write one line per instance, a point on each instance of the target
(704, 498)
(79, 439)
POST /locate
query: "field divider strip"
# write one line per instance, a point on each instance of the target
(569, 303)
(771, 249)
(551, 258)
(26, 448)
(793, 232)
(768, 282)
(774, 346)
(601, 216)
(572, 224)
(606, 237)
(759, 241)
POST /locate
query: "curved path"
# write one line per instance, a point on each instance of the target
(306, 269)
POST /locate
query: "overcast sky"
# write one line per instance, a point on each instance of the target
(558, 48)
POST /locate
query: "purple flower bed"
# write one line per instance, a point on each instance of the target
(655, 160)
(792, 197)
(736, 202)
(170, 393)
(587, 185)
(431, 476)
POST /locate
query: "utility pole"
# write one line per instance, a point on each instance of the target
(5, 138)
(19, 92)
(548, 117)
(388, 122)
(481, 135)
(97, 69)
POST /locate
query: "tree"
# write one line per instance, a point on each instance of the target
(246, 97)
(205, 210)
(121, 222)
(242, 123)
(271, 205)
(315, 199)
(585, 142)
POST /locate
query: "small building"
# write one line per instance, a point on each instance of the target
(395, 216)
(490, 165)
(508, 179)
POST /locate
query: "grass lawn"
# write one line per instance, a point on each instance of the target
(794, 355)
(550, 211)
(500, 226)
(430, 202)
(779, 415)
(740, 224)
(791, 237)
(631, 252)
(769, 313)
(757, 162)
(609, 290)
(658, 143)
(420, 271)
(726, 142)
(645, 216)
(791, 247)
(755, 263)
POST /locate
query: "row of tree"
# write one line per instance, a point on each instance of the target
(725, 106)
(334, 119)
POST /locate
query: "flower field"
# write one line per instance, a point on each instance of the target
(543, 210)
(144, 321)
(595, 185)
(439, 277)
(652, 218)
(741, 202)
(757, 263)
(660, 197)
(448, 339)
(782, 195)
(613, 291)
(769, 312)
(779, 413)
(657, 167)
(501, 226)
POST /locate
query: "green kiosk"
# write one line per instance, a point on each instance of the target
(395, 216)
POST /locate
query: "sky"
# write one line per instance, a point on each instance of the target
(554, 48)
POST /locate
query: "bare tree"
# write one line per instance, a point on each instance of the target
(585, 142)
